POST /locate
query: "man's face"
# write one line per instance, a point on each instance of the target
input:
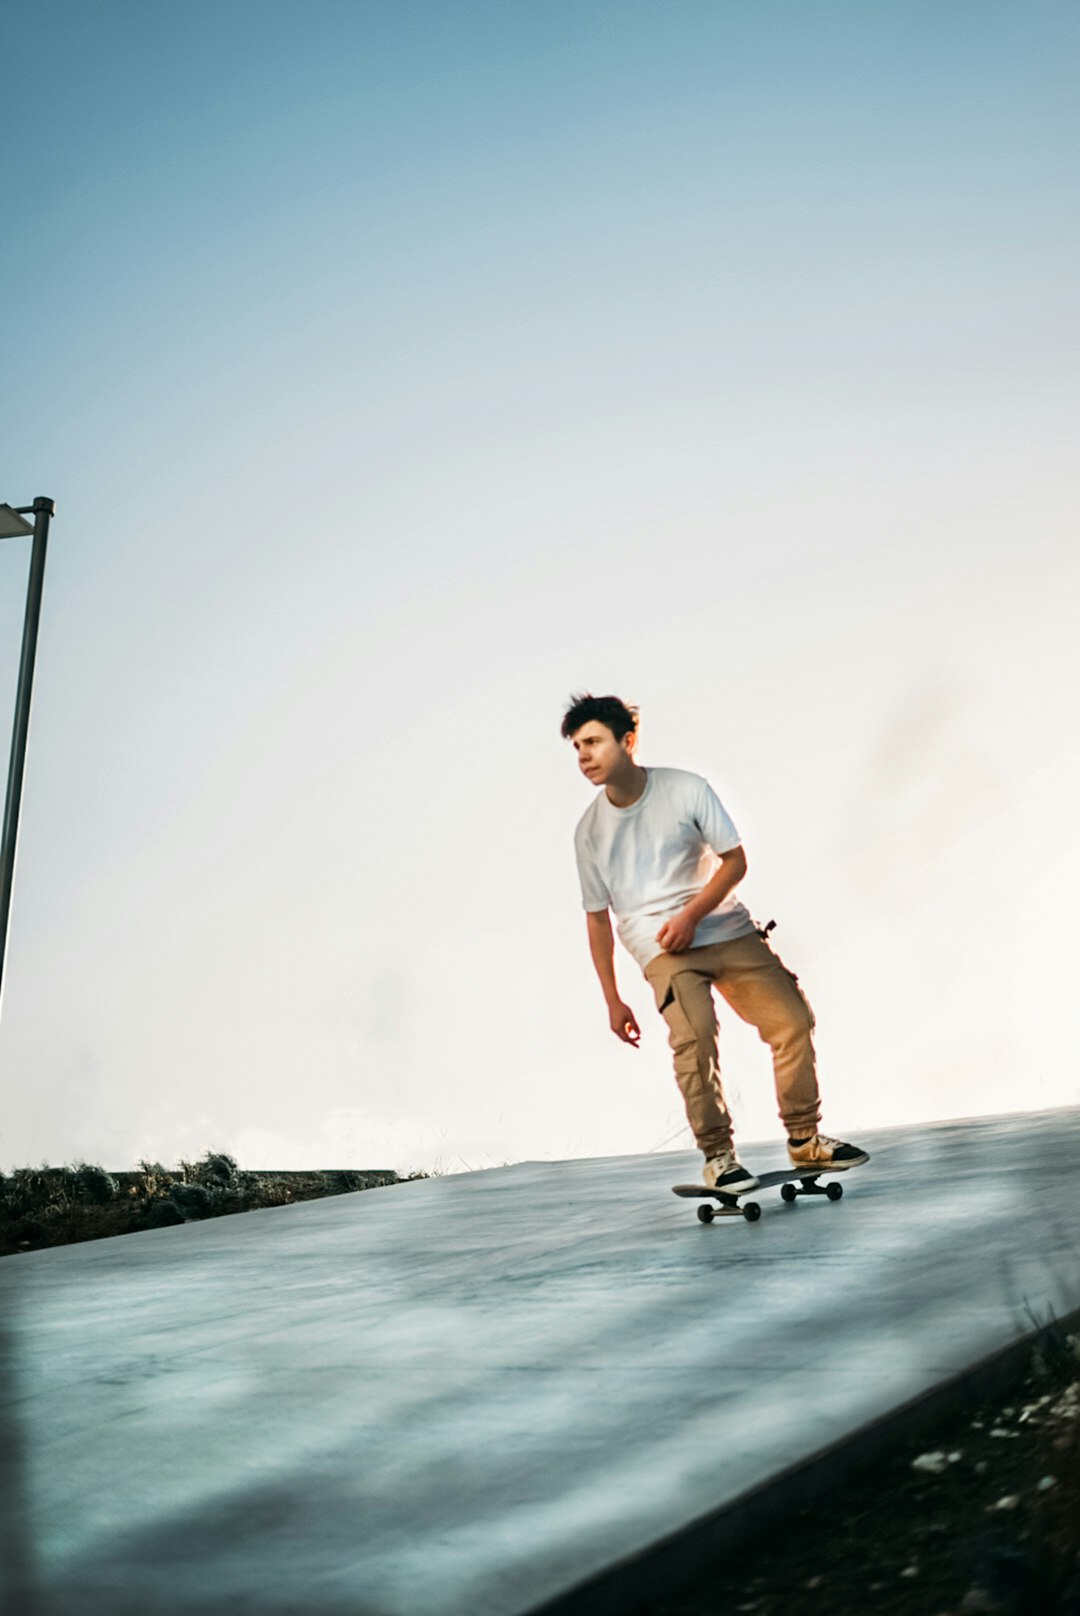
(599, 753)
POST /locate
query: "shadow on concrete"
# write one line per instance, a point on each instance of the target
(20, 1585)
(505, 1392)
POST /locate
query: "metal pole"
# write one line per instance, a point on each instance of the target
(43, 509)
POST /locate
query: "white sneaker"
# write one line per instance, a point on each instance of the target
(727, 1174)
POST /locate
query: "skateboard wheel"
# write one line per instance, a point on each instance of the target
(788, 1192)
(834, 1191)
(751, 1211)
(705, 1214)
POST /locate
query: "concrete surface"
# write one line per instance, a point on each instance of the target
(464, 1396)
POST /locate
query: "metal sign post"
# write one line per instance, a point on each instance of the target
(11, 526)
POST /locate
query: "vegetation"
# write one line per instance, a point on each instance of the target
(57, 1206)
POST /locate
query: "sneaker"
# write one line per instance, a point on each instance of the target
(727, 1174)
(822, 1154)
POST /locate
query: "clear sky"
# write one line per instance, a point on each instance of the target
(400, 369)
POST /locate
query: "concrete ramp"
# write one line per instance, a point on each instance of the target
(470, 1396)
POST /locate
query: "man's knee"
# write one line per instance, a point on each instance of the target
(800, 1019)
(789, 1012)
(800, 1008)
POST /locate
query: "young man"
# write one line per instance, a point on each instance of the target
(658, 849)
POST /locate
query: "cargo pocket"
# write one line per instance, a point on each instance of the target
(663, 992)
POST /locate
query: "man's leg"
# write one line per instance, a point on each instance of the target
(684, 999)
(767, 995)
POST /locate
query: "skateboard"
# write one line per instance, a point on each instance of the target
(792, 1184)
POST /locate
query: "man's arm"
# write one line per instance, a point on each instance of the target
(602, 949)
(677, 934)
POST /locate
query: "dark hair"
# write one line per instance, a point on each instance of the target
(620, 719)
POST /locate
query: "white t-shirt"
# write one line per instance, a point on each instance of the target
(647, 861)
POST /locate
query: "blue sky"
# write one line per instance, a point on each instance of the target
(400, 369)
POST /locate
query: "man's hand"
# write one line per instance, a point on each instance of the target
(676, 934)
(623, 1024)
(602, 948)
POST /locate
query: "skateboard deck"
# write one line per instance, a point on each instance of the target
(791, 1181)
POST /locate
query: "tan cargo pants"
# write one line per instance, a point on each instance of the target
(762, 991)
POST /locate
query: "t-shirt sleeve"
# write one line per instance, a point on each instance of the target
(594, 894)
(713, 820)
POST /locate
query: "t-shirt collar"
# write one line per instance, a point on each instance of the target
(633, 806)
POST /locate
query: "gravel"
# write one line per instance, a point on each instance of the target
(984, 1520)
